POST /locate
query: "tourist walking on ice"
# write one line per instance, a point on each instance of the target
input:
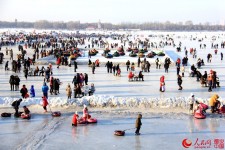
(44, 103)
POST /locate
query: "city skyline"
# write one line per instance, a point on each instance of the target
(114, 11)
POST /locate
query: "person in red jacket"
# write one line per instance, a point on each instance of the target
(75, 119)
(85, 112)
(44, 103)
(162, 84)
(58, 61)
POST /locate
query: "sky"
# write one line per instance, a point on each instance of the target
(114, 11)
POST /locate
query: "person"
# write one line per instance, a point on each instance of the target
(85, 112)
(36, 71)
(75, 119)
(44, 103)
(16, 105)
(130, 76)
(77, 90)
(214, 103)
(17, 82)
(157, 63)
(132, 66)
(12, 82)
(91, 90)
(179, 82)
(138, 124)
(191, 100)
(107, 65)
(7, 65)
(210, 78)
(201, 106)
(51, 84)
(221, 55)
(32, 91)
(75, 66)
(128, 65)
(68, 91)
(86, 78)
(141, 76)
(93, 68)
(139, 61)
(45, 90)
(42, 71)
(23, 91)
(25, 72)
(58, 61)
(26, 111)
(162, 84)
(118, 72)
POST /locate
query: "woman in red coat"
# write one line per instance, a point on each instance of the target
(75, 119)
(44, 103)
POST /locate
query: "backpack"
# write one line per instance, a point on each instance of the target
(14, 103)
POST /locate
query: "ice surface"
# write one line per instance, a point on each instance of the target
(158, 131)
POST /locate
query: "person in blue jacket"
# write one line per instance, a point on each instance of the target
(32, 91)
(45, 90)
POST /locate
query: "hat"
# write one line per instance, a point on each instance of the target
(192, 95)
(76, 112)
(85, 106)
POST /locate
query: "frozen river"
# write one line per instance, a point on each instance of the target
(158, 132)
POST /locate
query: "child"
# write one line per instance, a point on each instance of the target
(191, 101)
(68, 91)
(138, 124)
(32, 91)
(75, 119)
(85, 113)
(44, 103)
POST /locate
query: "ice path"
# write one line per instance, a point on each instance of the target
(39, 136)
(172, 54)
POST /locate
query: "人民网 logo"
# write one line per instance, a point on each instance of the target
(186, 143)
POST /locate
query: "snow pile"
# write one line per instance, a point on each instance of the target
(109, 101)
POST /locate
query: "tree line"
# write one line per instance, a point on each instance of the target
(76, 25)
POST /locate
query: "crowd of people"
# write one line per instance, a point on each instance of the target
(65, 50)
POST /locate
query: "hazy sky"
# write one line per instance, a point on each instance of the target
(114, 11)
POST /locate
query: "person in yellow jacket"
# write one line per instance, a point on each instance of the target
(214, 103)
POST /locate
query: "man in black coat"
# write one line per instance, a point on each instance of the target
(86, 78)
(16, 105)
